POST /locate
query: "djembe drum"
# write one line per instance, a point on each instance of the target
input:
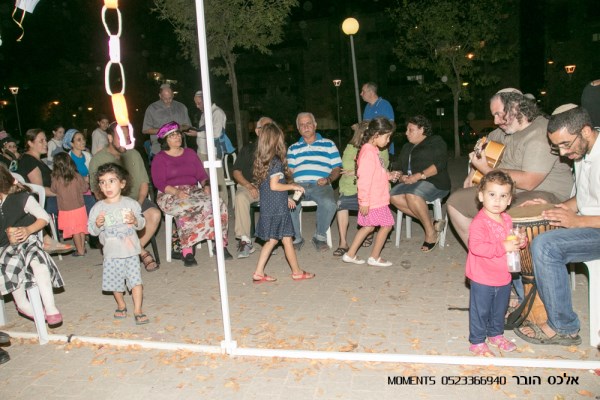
(532, 308)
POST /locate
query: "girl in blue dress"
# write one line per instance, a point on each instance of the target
(275, 223)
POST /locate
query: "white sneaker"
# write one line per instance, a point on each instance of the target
(378, 262)
(347, 259)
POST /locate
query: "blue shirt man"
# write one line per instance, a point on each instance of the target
(376, 106)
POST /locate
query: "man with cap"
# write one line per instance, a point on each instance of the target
(132, 161)
(537, 172)
(9, 154)
(219, 120)
(573, 136)
(246, 193)
(162, 111)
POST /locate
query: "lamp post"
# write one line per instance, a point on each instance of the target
(15, 91)
(337, 83)
(570, 69)
(350, 27)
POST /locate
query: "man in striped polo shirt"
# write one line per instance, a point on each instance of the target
(315, 163)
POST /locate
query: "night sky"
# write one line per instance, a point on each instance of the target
(65, 47)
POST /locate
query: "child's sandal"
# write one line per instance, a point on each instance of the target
(141, 319)
(120, 313)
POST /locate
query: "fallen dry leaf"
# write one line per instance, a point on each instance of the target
(585, 393)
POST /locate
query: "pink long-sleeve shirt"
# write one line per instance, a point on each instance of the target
(373, 185)
(486, 261)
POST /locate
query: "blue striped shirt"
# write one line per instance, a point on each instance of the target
(311, 162)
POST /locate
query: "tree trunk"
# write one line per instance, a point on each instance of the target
(230, 62)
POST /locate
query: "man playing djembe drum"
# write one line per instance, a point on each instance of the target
(572, 135)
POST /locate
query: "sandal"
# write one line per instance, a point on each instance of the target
(149, 262)
(368, 240)
(540, 336)
(302, 276)
(141, 319)
(340, 251)
(426, 247)
(439, 225)
(120, 313)
(256, 278)
(54, 247)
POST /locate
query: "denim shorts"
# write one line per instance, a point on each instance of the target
(348, 202)
(424, 189)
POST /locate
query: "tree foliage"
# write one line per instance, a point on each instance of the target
(454, 40)
(231, 26)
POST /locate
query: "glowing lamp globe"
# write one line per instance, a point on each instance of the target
(350, 26)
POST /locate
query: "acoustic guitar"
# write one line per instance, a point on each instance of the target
(493, 154)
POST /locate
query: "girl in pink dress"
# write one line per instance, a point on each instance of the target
(373, 193)
(69, 187)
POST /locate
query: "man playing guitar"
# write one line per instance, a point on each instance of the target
(527, 157)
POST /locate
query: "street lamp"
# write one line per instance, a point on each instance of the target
(350, 27)
(15, 91)
(337, 83)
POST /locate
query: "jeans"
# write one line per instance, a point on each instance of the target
(487, 307)
(325, 199)
(551, 251)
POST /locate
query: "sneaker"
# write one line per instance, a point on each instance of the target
(481, 349)
(226, 254)
(298, 245)
(378, 262)
(502, 343)
(189, 260)
(347, 259)
(320, 245)
(245, 249)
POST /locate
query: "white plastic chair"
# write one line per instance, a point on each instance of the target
(310, 203)
(437, 215)
(169, 236)
(229, 182)
(594, 295)
(39, 318)
(18, 177)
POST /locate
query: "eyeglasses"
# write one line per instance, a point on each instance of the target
(556, 148)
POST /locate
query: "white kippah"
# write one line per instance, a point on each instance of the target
(509, 90)
(564, 107)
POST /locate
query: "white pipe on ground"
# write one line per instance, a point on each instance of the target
(329, 355)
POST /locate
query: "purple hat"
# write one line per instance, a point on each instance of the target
(167, 129)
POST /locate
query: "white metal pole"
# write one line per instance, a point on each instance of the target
(358, 114)
(213, 164)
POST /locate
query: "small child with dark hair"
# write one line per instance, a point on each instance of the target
(115, 219)
(490, 239)
(69, 187)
